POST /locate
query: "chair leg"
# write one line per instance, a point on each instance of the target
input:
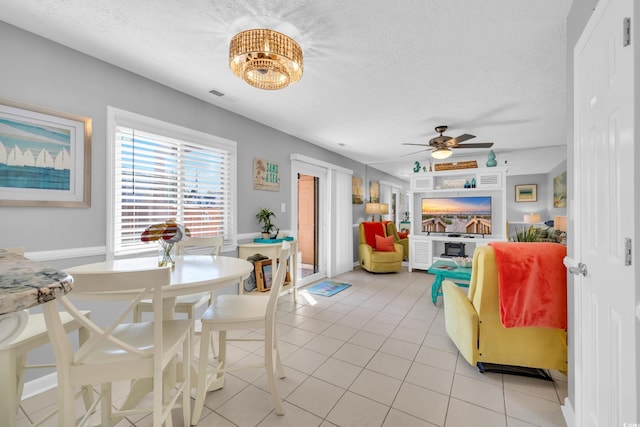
(279, 367)
(137, 314)
(186, 385)
(271, 360)
(66, 404)
(203, 368)
(105, 404)
(10, 386)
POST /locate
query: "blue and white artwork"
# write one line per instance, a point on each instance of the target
(34, 156)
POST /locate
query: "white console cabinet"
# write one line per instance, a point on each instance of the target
(425, 247)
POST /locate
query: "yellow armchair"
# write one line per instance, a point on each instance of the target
(393, 231)
(473, 323)
(373, 260)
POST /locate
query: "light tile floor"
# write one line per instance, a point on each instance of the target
(375, 354)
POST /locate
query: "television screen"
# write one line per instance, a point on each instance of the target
(456, 215)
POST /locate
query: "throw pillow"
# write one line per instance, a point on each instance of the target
(385, 244)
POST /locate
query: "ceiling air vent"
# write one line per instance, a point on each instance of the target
(216, 93)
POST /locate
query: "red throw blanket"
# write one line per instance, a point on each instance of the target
(532, 284)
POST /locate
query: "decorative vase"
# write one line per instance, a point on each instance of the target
(491, 162)
(166, 255)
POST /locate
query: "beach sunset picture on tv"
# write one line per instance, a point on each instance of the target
(459, 215)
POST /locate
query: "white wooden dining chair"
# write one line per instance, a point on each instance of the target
(239, 312)
(13, 361)
(189, 304)
(121, 351)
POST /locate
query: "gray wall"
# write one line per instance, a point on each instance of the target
(39, 72)
(579, 14)
(544, 204)
(517, 210)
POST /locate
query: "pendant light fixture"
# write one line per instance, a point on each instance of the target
(265, 59)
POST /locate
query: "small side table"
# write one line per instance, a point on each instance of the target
(447, 270)
(272, 250)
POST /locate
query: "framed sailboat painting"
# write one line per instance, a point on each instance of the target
(45, 157)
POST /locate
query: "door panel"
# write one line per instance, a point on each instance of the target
(605, 337)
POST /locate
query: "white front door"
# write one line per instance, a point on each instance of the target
(606, 293)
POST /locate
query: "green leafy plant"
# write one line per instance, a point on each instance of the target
(531, 234)
(264, 216)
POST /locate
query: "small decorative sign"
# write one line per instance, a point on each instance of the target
(459, 165)
(266, 175)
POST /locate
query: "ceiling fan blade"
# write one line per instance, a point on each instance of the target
(415, 152)
(409, 143)
(460, 138)
(476, 145)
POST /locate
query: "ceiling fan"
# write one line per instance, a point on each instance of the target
(443, 144)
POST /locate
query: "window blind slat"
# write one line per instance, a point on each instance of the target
(160, 178)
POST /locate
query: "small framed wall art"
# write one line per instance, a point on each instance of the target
(526, 193)
(45, 157)
(266, 175)
(357, 190)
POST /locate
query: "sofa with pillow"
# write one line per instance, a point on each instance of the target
(378, 252)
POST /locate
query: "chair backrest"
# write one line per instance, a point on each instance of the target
(200, 246)
(369, 230)
(142, 284)
(392, 230)
(276, 287)
(483, 286)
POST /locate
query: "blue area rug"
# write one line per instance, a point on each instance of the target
(327, 289)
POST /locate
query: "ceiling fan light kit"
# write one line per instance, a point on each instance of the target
(441, 153)
(265, 59)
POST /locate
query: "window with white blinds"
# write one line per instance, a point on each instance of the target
(157, 177)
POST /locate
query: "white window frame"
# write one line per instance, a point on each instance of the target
(117, 117)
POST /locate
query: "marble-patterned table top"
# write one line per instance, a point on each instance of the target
(25, 283)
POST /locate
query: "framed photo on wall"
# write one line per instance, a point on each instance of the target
(560, 191)
(266, 175)
(45, 157)
(357, 190)
(526, 193)
(374, 192)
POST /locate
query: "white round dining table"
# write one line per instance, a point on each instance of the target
(191, 274)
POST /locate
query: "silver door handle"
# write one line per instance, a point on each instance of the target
(575, 267)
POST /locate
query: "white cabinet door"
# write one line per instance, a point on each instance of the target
(421, 253)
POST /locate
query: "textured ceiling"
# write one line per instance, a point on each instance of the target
(377, 73)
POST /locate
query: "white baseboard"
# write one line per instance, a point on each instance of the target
(568, 413)
(39, 385)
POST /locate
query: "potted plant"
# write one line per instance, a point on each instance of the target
(264, 217)
(531, 234)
